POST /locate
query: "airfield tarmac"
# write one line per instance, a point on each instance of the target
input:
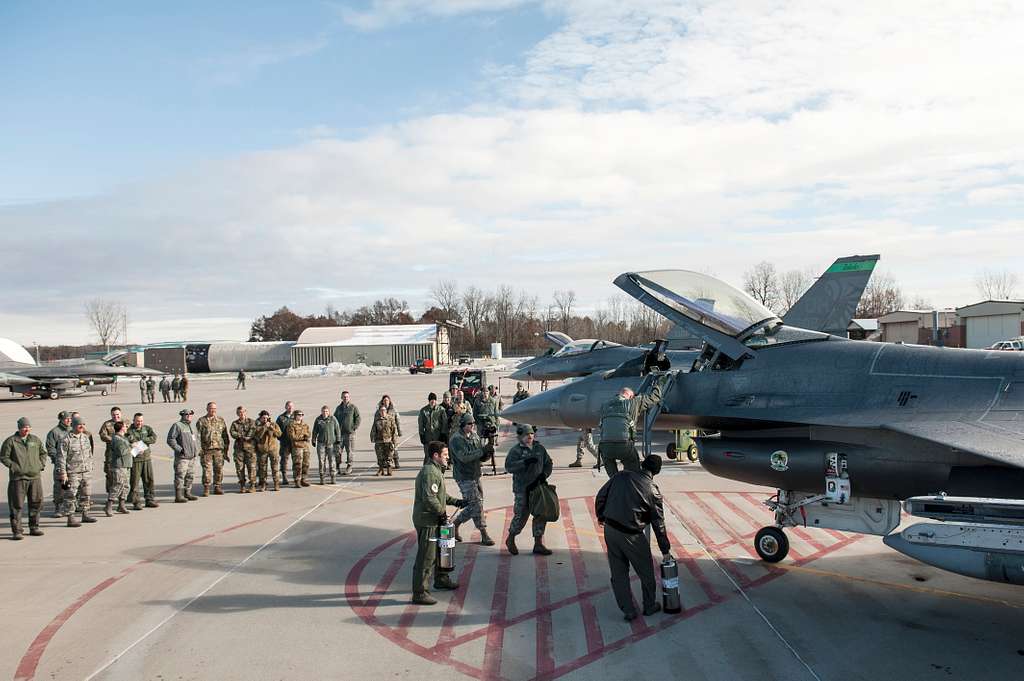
(315, 583)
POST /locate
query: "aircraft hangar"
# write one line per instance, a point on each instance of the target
(394, 345)
(992, 321)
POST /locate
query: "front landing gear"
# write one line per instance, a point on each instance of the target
(771, 544)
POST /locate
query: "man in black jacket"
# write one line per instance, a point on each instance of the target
(625, 506)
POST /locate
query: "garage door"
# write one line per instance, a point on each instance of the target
(984, 331)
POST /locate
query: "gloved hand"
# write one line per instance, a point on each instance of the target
(459, 503)
(667, 556)
(530, 460)
(442, 519)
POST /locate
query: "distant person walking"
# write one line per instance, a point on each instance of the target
(165, 389)
(142, 389)
(347, 414)
(385, 401)
(176, 386)
(326, 434)
(184, 388)
(150, 390)
(240, 384)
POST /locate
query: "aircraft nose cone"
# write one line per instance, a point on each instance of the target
(520, 374)
(541, 409)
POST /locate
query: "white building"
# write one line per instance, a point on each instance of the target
(991, 321)
(399, 345)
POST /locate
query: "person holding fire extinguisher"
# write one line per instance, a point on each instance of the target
(428, 514)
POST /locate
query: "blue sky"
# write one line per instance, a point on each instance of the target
(209, 162)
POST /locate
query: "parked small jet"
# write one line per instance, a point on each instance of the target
(845, 430)
(21, 375)
(828, 305)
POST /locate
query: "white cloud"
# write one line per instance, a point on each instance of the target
(384, 13)
(654, 135)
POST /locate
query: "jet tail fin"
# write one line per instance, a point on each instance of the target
(829, 304)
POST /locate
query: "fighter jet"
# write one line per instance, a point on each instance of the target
(845, 430)
(21, 375)
(828, 305)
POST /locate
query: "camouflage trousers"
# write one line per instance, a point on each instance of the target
(520, 512)
(120, 479)
(300, 462)
(245, 467)
(345, 443)
(78, 496)
(473, 494)
(325, 456)
(385, 451)
(213, 467)
(60, 504)
(184, 470)
(262, 458)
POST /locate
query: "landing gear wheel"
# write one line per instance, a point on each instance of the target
(103, 393)
(670, 450)
(691, 453)
(54, 395)
(771, 544)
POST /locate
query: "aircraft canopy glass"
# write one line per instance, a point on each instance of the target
(704, 299)
(578, 347)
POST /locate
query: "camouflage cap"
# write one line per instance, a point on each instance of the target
(467, 419)
(523, 429)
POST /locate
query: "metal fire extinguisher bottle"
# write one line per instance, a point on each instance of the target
(670, 586)
(446, 547)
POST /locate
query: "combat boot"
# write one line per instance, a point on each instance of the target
(539, 548)
(380, 470)
(423, 599)
(206, 490)
(72, 521)
(277, 485)
(218, 490)
(179, 497)
(16, 534)
(444, 583)
(330, 480)
(137, 505)
(348, 469)
(321, 478)
(35, 531)
(109, 509)
(86, 518)
(510, 544)
(485, 539)
(388, 471)
(578, 463)
(152, 503)
(303, 482)
(121, 508)
(295, 482)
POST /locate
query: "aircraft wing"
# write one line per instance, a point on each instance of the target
(999, 441)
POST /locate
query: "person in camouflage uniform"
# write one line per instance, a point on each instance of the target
(268, 445)
(326, 434)
(585, 442)
(184, 388)
(521, 394)
(383, 435)
(151, 390)
(300, 436)
(460, 407)
(182, 440)
(529, 463)
(107, 436)
(468, 451)
(448, 407)
(385, 401)
(428, 513)
(176, 386)
(75, 460)
(284, 420)
(243, 431)
(53, 438)
(25, 455)
(142, 466)
(431, 422)
(120, 465)
(348, 417)
(165, 389)
(487, 416)
(142, 389)
(214, 440)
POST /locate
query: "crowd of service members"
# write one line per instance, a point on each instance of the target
(454, 433)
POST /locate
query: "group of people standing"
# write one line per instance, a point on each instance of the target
(171, 389)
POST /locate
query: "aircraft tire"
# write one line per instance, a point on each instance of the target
(691, 453)
(670, 450)
(772, 544)
(103, 393)
(54, 394)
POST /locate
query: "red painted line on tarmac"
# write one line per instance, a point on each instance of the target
(499, 606)
(545, 643)
(389, 575)
(756, 523)
(459, 598)
(741, 578)
(29, 663)
(806, 536)
(591, 627)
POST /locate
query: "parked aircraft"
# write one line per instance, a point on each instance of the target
(845, 430)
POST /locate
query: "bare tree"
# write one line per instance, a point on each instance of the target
(996, 285)
(881, 296)
(762, 282)
(477, 306)
(107, 319)
(564, 302)
(920, 303)
(792, 285)
(445, 295)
